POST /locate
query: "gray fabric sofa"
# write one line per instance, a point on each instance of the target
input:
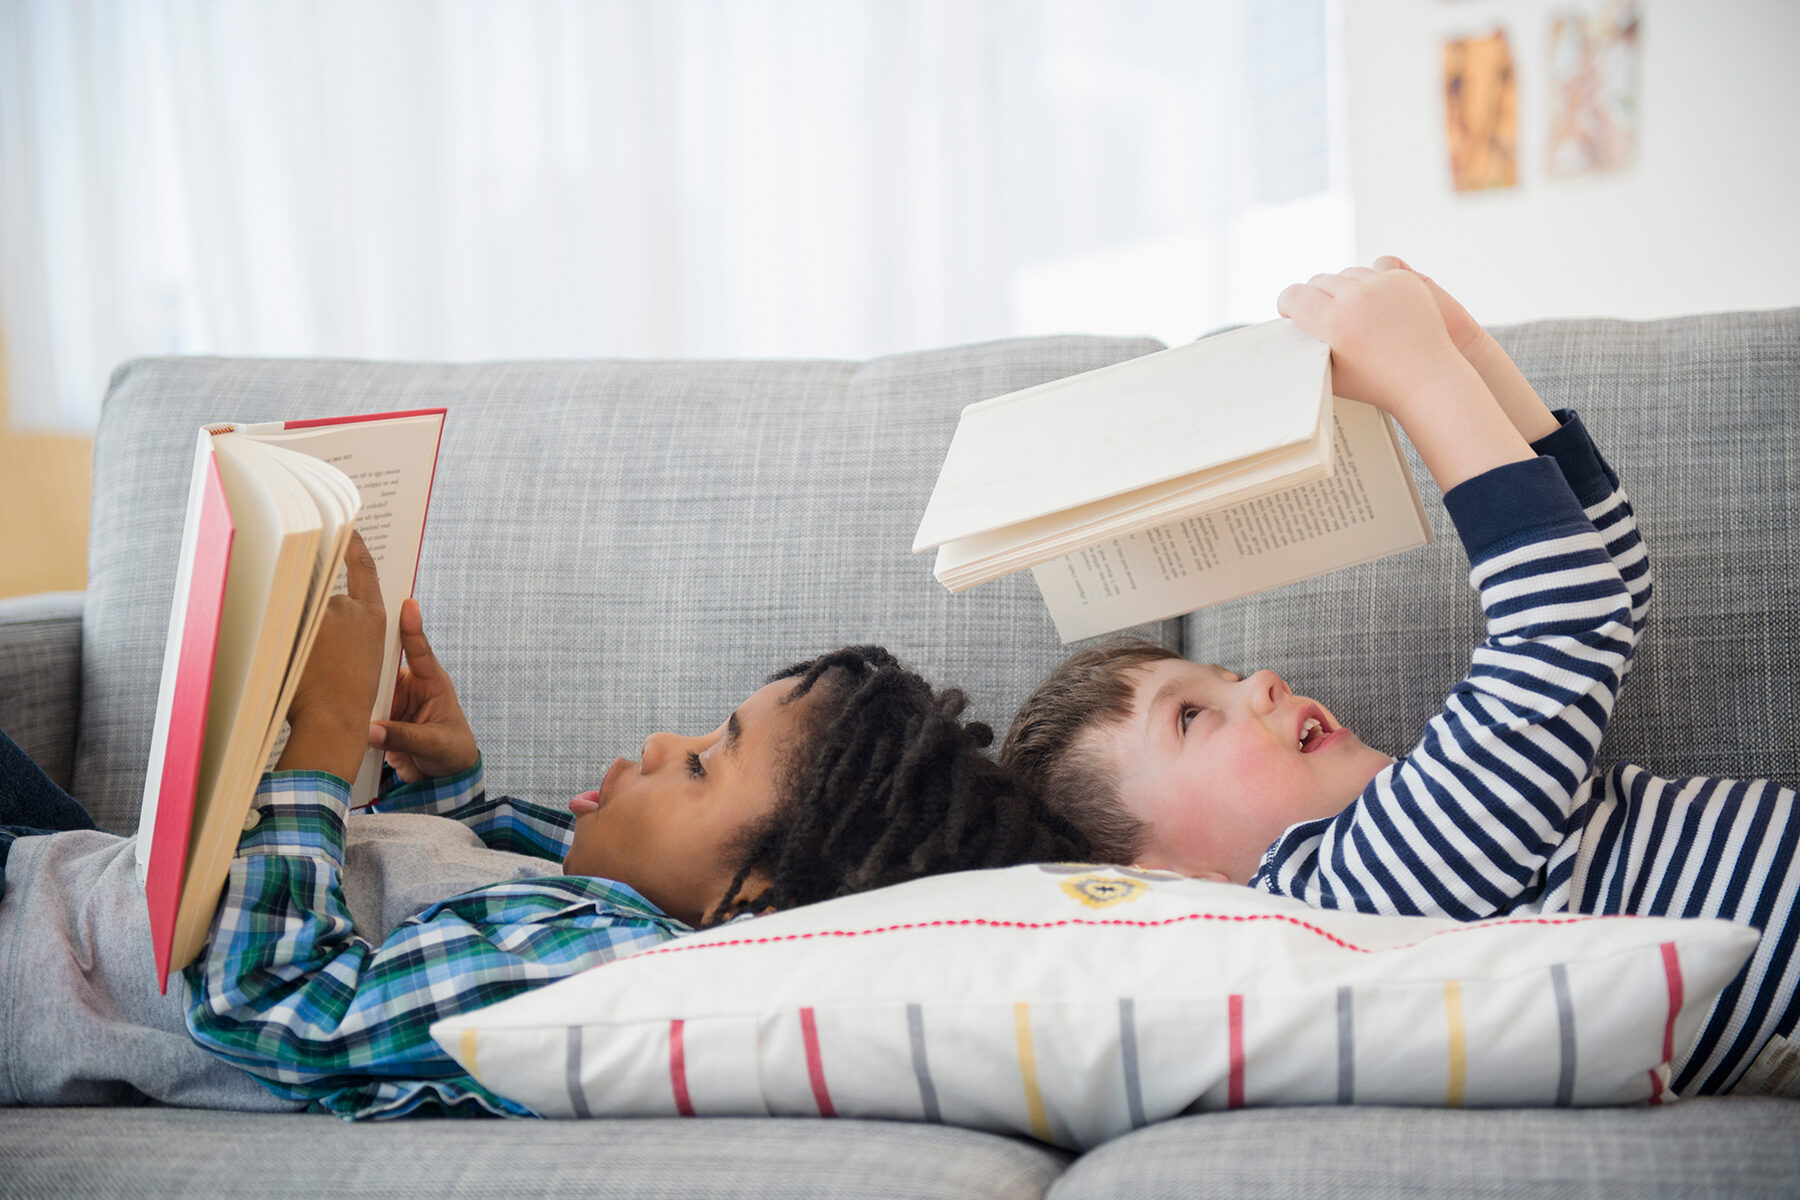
(619, 547)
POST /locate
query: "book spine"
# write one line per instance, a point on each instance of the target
(316, 422)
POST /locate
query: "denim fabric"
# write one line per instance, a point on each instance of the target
(31, 803)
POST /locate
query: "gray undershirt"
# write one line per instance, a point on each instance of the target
(81, 1020)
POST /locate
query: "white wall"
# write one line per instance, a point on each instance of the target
(1707, 218)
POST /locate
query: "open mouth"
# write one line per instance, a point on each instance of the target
(1315, 733)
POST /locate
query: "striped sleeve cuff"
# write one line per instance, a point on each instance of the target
(1589, 476)
(1513, 504)
(297, 812)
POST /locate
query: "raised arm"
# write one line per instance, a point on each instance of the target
(1560, 435)
(1465, 824)
(1357, 308)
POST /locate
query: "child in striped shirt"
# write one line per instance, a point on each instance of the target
(1499, 808)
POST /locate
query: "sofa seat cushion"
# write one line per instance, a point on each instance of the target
(1723, 1146)
(151, 1152)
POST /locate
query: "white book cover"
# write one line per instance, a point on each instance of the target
(1191, 416)
(1171, 482)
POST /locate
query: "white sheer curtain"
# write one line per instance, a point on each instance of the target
(457, 179)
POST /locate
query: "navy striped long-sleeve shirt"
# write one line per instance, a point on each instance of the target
(1500, 809)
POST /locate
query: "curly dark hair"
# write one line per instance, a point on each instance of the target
(886, 783)
(1046, 751)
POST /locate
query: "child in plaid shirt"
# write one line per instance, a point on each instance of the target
(341, 937)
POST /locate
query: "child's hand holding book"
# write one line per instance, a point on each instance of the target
(328, 726)
(1389, 344)
(1390, 347)
(1527, 411)
(428, 737)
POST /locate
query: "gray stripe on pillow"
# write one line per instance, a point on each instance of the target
(1128, 1058)
(1346, 1015)
(915, 1027)
(572, 1065)
(1565, 1021)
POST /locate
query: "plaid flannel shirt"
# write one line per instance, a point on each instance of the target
(288, 992)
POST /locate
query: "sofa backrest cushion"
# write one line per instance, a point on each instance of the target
(614, 547)
(1700, 416)
(618, 547)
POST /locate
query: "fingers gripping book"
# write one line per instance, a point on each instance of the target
(1160, 485)
(271, 508)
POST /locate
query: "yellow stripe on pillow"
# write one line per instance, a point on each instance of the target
(1034, 1097)
(1459, 1057)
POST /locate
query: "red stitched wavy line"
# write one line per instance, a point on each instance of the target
(984, 922)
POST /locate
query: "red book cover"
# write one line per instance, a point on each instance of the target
(187, 723)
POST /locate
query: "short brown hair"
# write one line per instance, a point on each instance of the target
(1047, 753)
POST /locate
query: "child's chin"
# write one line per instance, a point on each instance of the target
(1364, 763)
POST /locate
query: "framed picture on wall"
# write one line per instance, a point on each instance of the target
(1481, 112)
(1594, 104)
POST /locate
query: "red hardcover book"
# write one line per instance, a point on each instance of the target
(270, 511)
(187, 723)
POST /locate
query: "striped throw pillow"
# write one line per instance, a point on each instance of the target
(1075, 1003)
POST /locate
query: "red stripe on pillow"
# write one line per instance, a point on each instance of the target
(1235, 1093)
(678, 1069)
(1671, 968)
(815, 1065)
(1672, 972)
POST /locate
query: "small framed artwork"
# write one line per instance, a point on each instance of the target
(1593, 90)
(1481, 111)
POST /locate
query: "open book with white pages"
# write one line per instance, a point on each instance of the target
(271, 508)
(1170, 482)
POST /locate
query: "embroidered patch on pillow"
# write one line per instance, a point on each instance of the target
(1075, 1003)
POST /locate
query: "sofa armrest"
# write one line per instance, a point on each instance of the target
(40, 677)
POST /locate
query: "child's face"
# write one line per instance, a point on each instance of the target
(1217, 766)
(667, 824)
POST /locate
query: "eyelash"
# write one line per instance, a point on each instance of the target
(694, 766)
(1183, 720)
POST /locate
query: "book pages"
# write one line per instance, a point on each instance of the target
(973, 560)
(279, 503)
(338, 504)
(390, 463)
(1367, 508)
